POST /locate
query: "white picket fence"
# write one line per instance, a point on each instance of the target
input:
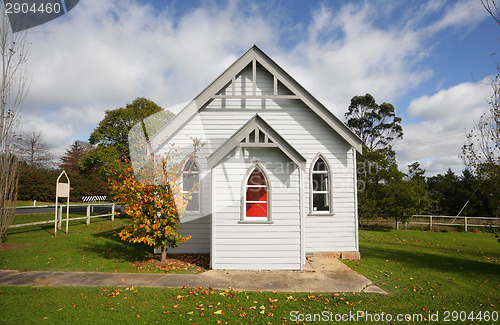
(432, 221)
(459, 221)
(88, 215)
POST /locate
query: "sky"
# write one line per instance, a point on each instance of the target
(432, 60)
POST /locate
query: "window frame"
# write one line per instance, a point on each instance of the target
(255, 220)
(198, 172)
(329, 192)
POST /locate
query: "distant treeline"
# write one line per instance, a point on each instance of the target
(40, 184)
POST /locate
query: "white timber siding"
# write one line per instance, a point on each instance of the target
(337, 232)
(197, 225)
(257, 246)
(199, 230)
(220, 118)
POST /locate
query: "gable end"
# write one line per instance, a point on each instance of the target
(284, 87)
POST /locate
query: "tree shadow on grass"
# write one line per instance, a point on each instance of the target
(48, 228)
(141, 257)
(118, 250)
(436, 262)
(376, 228)
(409, 244)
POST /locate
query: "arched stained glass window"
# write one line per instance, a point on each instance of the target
(256, 195)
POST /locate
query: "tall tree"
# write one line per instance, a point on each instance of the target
(416, 173)
(383, 192)
(445, 189)
(377, 125)
(103, 162)
(113, 129)
(86, 183)
(33, 149)
(13, 91)
(73, 154)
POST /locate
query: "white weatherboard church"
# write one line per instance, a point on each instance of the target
(277, 173)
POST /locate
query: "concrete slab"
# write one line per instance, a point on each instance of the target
(6, 273)
(323, 263)
(326, 274)
(374, 289)
(307, 267)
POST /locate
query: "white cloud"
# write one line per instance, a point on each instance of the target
(460, 14)
(104, 54)
(363, 58)
(441, 122)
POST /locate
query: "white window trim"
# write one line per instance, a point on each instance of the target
(255, 220)
(184, 172)
(330, 187)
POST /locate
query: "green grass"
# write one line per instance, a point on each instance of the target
(432, 270)
(165, 306)
(35, 217)
(30, 203)
(95, 247)
(423, 272)
(41, 203)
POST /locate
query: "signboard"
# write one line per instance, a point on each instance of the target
(62, 190)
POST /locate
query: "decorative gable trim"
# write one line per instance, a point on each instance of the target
(256, 133)
(253, 56)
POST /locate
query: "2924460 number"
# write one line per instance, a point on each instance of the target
(462, 316)
(24, 8)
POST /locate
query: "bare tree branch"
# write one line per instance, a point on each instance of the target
(481, 152)
(32, 149)
(492, 8)
(13, 91)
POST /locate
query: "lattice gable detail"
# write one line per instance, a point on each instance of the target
(257, 137)
(277, 90)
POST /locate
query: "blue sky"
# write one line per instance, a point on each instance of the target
(430, 59)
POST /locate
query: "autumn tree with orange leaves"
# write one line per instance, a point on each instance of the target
(155, 200)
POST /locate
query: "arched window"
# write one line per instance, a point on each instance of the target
(190, 177)
(321, 197)
(256, 195)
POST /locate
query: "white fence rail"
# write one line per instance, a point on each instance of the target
(433, 221)
(90, 207)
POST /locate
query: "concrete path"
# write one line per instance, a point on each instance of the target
(321, 275)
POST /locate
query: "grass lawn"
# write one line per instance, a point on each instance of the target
(95, 247)
(42, 203)
(35, 217)
(424, 273)
(30, 203)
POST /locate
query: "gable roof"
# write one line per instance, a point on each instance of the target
(252, 56)
(270, 138)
